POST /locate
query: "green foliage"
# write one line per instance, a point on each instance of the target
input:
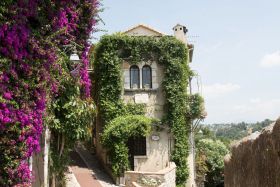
(59, 164)
(71, 114)
(235, 131)
(4, 4)
(116, 135)
(69, 118)
(210, 161)
(203, 132)
(110, 52)
(213, 142)
(135, 109)
(8, 137)
(258, 126)
(113, 109)
(196, 107)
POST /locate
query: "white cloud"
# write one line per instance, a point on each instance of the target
(255, 100)
(271, 60)
(219, 89)
(259, 110)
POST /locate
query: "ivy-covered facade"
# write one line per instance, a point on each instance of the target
(144, 111)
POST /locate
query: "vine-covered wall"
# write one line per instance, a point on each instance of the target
(167, 51)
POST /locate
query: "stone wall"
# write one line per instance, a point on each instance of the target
(38, 169)
(255, 160)
(162, 178)
(191, 162)
(40, 162)
(158, 153)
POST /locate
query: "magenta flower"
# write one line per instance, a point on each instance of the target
(33, 74)
(6, 120)
(7, 95)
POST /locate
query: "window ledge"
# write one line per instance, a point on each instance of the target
(140, 156)
(141, 90)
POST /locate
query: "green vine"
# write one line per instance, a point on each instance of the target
(116, 135)
(196, 107)
(69, 118)
(167, 51)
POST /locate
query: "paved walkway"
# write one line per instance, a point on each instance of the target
(71, 180)
(84, 175)
(94, 166)
(86, 171)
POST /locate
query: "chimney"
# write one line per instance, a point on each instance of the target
(180, 33)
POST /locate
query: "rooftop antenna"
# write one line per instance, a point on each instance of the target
(191, 38)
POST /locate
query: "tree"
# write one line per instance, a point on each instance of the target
(210, 161)
(212, 144)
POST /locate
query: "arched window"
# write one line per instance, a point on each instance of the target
(134, 77)
(146, 77)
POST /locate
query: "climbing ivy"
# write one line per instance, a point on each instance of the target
(116, 135)
(69, 119)
(130, 122)
(109, 54)
(196, 107)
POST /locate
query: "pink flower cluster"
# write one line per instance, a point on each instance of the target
(22, 172)
(28, 74)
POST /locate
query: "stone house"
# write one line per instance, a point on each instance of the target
(142, 84)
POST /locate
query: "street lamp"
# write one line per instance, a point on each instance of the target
(75, 66)
(74, 57)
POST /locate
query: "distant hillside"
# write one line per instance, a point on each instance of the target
(235, 131)
(213, 143)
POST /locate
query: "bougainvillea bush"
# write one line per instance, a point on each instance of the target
(36, 37)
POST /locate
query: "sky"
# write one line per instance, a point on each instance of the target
(237, 49)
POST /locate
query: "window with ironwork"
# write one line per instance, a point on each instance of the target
(146, 77)
(134, 77)
(140, 146)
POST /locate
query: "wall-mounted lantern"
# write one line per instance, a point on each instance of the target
(75, 66)
(74, 57)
